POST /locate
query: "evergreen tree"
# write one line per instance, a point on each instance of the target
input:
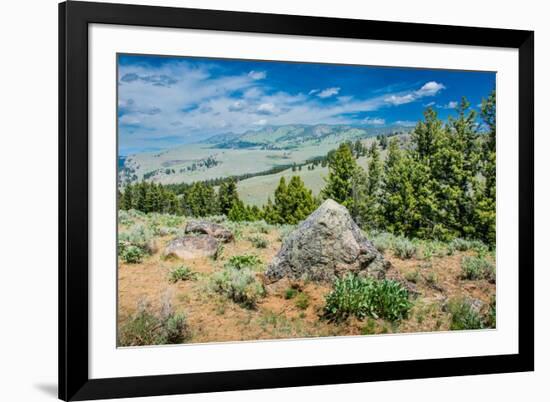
(367, 191)
(339, 184)
(238, 212)
(200, 200)
(292, 202)
(383, 141)
(227, 196)
(485, 210)
(399, 201)
(464, 141)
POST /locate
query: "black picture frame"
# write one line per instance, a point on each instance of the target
(74, 18)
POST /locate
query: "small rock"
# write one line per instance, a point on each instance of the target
(213, 229)
(189, 247)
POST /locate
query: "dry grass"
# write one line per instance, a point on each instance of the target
(213, 318)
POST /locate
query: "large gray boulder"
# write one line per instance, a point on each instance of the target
(189, 247)
(328, 244)
(213, 229)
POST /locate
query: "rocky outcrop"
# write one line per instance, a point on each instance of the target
(213, 229)
(189, 247)
(328, 244)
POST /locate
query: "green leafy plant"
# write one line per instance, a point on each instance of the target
(131, 254)
(239, 285)
(243, 261)
(362, 297)
(181, 273)
(475, 268)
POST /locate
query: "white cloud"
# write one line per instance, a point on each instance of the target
(252, 93)
(236, 106)
(373, 121)
(430, 89)
(400, 99)
(266, 108)
(406, 123)
(328, 92)
(451, 105)
(257, 75)
(200, 102)
(345, 99)
(429, 104)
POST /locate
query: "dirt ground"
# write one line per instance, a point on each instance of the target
(214, 318)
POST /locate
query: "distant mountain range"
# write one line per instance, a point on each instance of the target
(296, 136)
(249, 153)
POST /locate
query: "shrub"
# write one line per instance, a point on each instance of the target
(413, 276)
(258, 241)
(362, 297)
(431, 278)
(285, 231)
(181, 273)
(131, 254)
(302, 301)
(404, 248)
(243, 261)
(491, 318)
(261, 226)
(460, 244)
(124, 218)
(464, 315)
(239, 285)
(146, 328)
(474, 268)
(369, 328)
(219, 252)
(382, 241)
(433, 248)
(139, 236)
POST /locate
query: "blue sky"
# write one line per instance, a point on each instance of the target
(168, 101)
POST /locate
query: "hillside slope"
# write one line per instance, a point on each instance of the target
(234, 155)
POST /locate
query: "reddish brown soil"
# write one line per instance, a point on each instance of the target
(214, 318)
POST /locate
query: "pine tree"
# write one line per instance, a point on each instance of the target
(383, 141)
(485, 210)
(292, 203)
(227, 196)
(300, 201)
(464, 141)
(238, 212)
(339, 184)
(200, 200)
(367, 191)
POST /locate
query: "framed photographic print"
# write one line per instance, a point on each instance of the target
(258, 201)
